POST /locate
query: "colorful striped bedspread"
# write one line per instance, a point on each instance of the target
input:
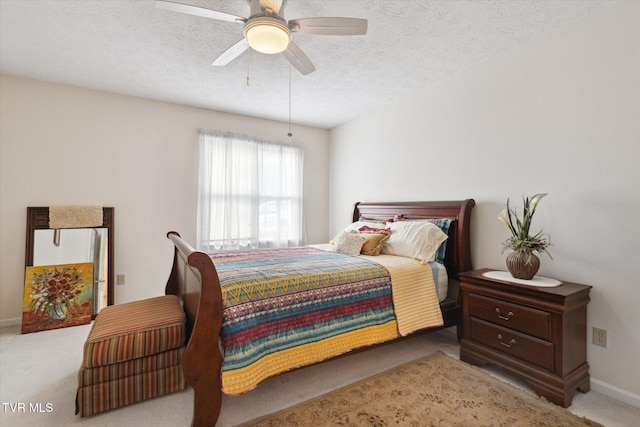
(291, 307)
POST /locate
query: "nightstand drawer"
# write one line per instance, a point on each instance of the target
(513, 316)
(527, 348)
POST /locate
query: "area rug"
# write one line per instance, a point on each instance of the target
(437, 390)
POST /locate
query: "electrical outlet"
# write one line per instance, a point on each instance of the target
(600, 337)
(121, 279)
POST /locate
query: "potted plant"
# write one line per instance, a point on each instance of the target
(522, 263)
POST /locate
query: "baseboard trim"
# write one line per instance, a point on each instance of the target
(5, 323)
(615, 393)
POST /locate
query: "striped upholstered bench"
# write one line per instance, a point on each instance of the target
(133, 352)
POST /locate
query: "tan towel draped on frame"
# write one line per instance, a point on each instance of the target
(75, 216)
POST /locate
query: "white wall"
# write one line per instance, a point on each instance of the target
(64, 145)
(560, 115)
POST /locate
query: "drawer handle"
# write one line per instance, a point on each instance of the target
(511, 341)
(507, 317)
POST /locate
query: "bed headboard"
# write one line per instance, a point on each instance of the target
(458, 255)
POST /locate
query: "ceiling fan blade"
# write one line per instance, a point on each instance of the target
(298, 59)
(329, 26)
(198, 11)
(232, 53)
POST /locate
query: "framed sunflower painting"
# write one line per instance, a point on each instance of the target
(57, 296)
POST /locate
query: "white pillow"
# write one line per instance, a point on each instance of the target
(349, 243)
(414, 239)
(356, 226)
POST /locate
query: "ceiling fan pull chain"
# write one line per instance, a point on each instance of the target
(249, 68)
(290, 66)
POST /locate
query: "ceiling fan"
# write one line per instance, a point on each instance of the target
(266, 30)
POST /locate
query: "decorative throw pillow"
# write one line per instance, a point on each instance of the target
(374, 242)
(414, 239)
(443, 224)
(356, 226)
(375, 229)
(349, 243)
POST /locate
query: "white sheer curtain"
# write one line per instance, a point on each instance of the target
(250, 193)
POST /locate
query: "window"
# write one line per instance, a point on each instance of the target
(250, 193)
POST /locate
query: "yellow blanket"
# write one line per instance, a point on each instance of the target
(415, 300)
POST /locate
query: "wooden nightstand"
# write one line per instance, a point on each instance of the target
(538, 334)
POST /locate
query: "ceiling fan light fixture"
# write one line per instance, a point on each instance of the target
(267, 35)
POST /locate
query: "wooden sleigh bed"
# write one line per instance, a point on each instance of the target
(196, 280)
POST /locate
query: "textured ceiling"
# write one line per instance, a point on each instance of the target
(131, 47)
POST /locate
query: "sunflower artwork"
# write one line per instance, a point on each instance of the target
(57, 296)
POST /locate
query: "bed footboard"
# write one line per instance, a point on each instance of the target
(202, 304)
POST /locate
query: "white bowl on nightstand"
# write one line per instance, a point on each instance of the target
(536, 282)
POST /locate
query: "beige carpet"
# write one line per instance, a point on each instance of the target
(434, 391)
